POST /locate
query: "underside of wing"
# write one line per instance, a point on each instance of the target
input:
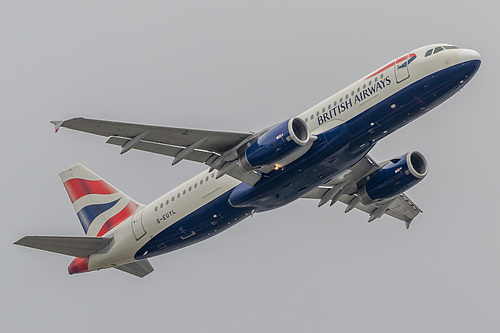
(213, 148)
(215, 141)
(346, 189)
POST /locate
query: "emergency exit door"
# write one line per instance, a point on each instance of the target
(137, 226)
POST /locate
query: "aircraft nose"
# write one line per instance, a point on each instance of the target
(468, 55)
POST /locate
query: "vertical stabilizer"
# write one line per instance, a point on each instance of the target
(99, 206)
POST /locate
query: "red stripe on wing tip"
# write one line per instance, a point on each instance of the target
(77, 188)
(125, 213)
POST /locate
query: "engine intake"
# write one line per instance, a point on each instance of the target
(394, 178)
(276, 144)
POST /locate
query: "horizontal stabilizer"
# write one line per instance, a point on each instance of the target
(80, 246)
(138, 268)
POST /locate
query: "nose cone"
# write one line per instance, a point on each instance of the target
(468, 55)
(79, 265)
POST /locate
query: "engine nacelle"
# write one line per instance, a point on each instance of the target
(396, 177)
(276, 144)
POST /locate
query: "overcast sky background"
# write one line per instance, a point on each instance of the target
(242, 66)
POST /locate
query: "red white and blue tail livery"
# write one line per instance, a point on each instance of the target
(99, 206)
(320, 154)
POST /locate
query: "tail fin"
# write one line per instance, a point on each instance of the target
(99, 206)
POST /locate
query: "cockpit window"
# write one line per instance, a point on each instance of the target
(438, 49)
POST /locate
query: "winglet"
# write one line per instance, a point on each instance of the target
(408, 225)
(57, 124)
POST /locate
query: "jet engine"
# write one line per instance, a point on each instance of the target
(394, 178)
(281, 142)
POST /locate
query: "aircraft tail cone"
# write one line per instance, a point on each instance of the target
(79, 265)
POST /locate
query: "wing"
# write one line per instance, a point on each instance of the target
(344, 188)
(213, 148)
(72, 246)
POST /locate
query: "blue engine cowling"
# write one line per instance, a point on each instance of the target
(394, 178)
(276, 144)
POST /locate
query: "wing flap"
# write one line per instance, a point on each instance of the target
(72, 246)
(401, 208)
(162, 149)
(251, 178)
(138, 268)
(404, 209)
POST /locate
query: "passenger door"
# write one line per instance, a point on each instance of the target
(401, 70)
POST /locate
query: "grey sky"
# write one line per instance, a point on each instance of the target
(242, 66)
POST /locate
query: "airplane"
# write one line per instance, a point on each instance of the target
(320, 154)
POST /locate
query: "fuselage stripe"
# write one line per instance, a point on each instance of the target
(392, 64)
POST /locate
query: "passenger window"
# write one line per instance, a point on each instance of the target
(376, 79)
(317, 114)
(166, 203)
(206, 179)
(184, 192)
(438, 49)
(335, 103)
(190, 188)
(340, 101)
(156, 209)
(201, 182)
(352, 93)
(178, 195)
(306, 120)
(370, 82)
(173, 198)
(195, 185)
(358, 89)
(329, 106)
(312, 116)
(381, 76)
(346, 96)
(428, 53)
(364, 86)
(161, 205)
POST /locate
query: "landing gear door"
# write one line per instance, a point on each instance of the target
(137, 226)
(401, 70)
